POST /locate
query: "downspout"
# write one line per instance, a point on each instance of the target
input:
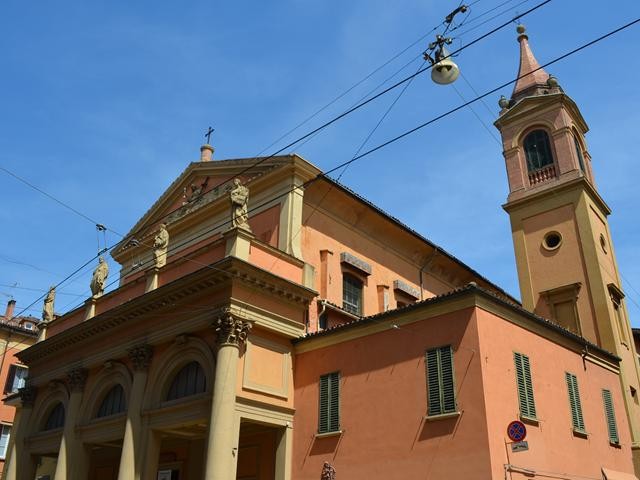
(424, 267)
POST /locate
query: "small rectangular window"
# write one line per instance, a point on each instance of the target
(574, 403)
(441, 394)
(352, 294)
(329, 403)
(4, 440)
(16, 379)
(610, 416)
(525, 386)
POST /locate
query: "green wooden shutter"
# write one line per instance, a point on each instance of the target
(441, 395)
(329, 403)
(334, 402)
(525, 386)
(610, 416)
(574, 402)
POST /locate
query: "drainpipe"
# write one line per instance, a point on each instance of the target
(424, 267)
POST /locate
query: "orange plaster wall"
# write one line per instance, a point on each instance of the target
(552, 445)
(268, 363)
(383, 405)
(265, 225)
(324, 233)
(278, 265)
(559, 267)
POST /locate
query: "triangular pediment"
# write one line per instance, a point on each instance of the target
(199, 185)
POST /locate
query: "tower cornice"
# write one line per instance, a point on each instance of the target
(554, 189)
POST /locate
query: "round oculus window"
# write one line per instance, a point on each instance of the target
(603, 243)
(552, 240)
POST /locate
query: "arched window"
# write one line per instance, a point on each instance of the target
(55, 418)
(188, 381)
(112, 403)
(579, 152)
(537, 150)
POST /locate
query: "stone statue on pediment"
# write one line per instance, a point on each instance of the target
(239, 196)
(160, 246)
(47, 309)
(99, 278)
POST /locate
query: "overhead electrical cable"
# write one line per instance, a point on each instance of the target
(396, 138)
(369, 100)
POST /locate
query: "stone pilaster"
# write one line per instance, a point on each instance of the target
(132, 456)
(223, 428)
(19, 465)
(72, 457)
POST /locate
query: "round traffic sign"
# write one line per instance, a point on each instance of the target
(516, 431)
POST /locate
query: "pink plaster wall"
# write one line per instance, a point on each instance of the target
(383, 405)
(552, 445)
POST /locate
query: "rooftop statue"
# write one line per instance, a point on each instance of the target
(99, 278)
(239, 195)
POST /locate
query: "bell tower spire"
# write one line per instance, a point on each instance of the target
(564, 251)
(531, 77)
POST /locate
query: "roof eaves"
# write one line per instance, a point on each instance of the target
(458, 292)
(413, 232)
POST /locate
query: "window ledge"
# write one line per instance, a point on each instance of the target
(615, 444)
(442, 416)
(530, 420)
(580, 433)
(330, 434)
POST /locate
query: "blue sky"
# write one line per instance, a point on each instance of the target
(103, 104)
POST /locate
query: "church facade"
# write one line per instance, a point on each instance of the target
(272, 324)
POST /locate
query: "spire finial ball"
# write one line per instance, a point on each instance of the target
(521, 29)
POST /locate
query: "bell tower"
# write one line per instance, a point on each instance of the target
(564, 252)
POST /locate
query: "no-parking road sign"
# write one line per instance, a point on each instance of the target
(516, 431)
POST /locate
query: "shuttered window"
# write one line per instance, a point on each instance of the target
(525, 386)
(441, 394)
(610, 416)
(329, 414)
(574, 403)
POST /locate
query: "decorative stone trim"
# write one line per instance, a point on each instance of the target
(140, 356)
(405, 288)
(353, 261)
(77, 378)
(27, 395)
(231, 330)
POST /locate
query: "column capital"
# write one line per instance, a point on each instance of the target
(27, 395)
(140, 356)
(76, 379)
(231, 329)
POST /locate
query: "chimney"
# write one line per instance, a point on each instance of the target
(206, 153)
(11, 306)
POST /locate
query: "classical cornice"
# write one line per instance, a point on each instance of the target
(553, 189)
(214, 276)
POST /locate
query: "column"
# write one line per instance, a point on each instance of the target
(72, 458)
(151, 448)
(284, 448)
(132, 449)
(223, 429)
(19, 464)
